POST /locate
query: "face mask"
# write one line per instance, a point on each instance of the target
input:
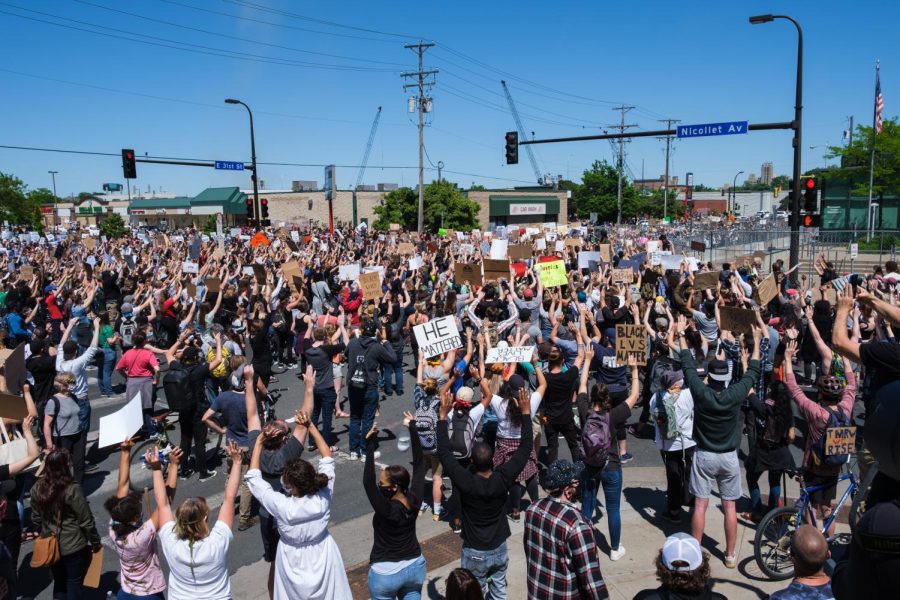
(387, 492)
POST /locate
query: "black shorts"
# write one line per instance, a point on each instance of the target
(268, 527)
(825, 495)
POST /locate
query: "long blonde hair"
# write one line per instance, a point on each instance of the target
(192, 523)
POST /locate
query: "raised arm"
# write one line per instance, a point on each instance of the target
(226, 513)
(163, 509)
(841, 342)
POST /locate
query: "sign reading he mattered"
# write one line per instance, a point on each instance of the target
(631, 340)
(438, 336)
(509, 354)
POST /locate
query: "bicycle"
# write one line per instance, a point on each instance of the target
(142, 477)
(771, 546)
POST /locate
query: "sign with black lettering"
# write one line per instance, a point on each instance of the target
(840, 440)
(509, 354)
(438, 336)
(698, 246)
(631, 340)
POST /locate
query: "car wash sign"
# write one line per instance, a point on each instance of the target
(438, 336)
(708, 129)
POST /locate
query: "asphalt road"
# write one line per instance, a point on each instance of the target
(349, 500)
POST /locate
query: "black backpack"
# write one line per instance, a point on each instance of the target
(463, 434)
(359, 375)
(177, 385)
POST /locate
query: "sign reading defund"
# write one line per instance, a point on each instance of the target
(438, 336)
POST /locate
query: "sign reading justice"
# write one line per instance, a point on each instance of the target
(438, 336)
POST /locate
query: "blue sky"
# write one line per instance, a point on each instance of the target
(567, 63)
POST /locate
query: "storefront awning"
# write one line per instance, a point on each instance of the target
(514, 206)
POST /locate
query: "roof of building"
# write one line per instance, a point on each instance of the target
(155, 203)
(231, 199)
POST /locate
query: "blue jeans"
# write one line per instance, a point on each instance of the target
(404, 585)
(489, 568)
(612, 493)
(395, 369)
(109, 361)
(362, 414)
(323, 403)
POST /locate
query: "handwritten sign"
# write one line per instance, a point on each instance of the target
(622, 275)
(190, 267)
(653, 246)
(438, 336)
(519, 251)
(585, 258)
(605, 251)
(406, 249)
(698, 246)
(737, 320)
(553, 274)
(840, 440)
(415, 263)
(496, 269)
(540, 244)
(631, 340)
(706, 281)
(498, 249)
(213, 284)
(768, 290)
(509, 354)
(370, 283)
(348, 272)
(463, 272)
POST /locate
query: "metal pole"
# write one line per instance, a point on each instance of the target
(668, 123)
(734, 191)
(55, 199)
(794, 255)
(256, 207)
(871, 214)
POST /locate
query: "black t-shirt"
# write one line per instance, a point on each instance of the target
(884, 361)
(558, 399)
(43, 369)
(197, 375)
(262, 351)
(111, 291)
(11, 516)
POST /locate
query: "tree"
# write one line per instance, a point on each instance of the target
(854, 160)
(597, 192)
(476, 188)
(782, 181)
(443, 202)
(209, 226)
(19, 207)
(113, 226)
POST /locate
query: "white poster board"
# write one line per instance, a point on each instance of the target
(498, 249)
(415, 263)
(585, 258)
(509, 354)
(349, 272)
(190, 267)
(438, 336)
(653, 246)
(295, 237)
(122, 424)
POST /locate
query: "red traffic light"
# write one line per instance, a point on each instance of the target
(810, 184)
(264, 201)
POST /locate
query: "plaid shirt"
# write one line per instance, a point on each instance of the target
(563, 562)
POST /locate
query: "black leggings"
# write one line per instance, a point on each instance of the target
(572, 435)
(193, 433)
(517, 492)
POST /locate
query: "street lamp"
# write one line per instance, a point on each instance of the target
(797, 126)
(733, 190)
(256, 211)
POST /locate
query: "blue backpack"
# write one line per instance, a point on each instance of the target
(820, 458)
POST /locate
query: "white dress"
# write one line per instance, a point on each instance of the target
(308, 563)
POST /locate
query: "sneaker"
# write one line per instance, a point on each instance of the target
(185, 474)
(423, 508)
(456, 526)
(672, 517)
(436, 517)
(730, 562)
(354, 456)
(207, 476)
(616, 554)
(245, 525)
(626, 458)
(376, 455)
(399, 392)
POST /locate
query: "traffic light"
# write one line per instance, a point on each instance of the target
(250, 212)
(129, 167)
(264, 212)
(512, 147)
(811, 220)
(810, 194)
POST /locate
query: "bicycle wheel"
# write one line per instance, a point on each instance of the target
(771, 546)
(141, 474)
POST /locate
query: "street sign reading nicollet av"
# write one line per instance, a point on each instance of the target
(227, 165)
(708, 129)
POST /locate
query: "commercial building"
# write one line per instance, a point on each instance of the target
(230, 202)
(766, 173)
(651, 185)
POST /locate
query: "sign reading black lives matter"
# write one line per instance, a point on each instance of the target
(438, 336)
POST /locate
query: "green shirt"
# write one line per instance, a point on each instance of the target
(106, 334)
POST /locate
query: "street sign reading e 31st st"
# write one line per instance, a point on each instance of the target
(709, 129)
(227, 165)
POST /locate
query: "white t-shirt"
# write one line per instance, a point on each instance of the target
(209, 577)
(505, 428)
(684, 417)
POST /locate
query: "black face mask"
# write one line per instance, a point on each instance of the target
(386, 491)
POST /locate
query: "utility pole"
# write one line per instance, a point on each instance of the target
(668, 123)
(420, 84)
(850, 132)
(621, 162)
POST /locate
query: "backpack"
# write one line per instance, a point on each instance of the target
(664, 414)
(126, 330)
(836, 419)
(359, 375)
(279, 321)
(772, 433)
(462, 435)
(222, 370)
(426, 423)
(177, 385)
(596, 440)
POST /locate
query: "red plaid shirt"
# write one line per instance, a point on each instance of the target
(563, 561)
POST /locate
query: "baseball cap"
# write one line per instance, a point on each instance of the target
(127, 309)
(516, 382)
(190, 353)
(528, 294)
(465, 394)
(670, 378)
(561, 473)
(718, 370)
(49, 288)
(681, 547)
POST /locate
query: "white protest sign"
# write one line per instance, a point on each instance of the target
(509, 354)
(122, 424)
(438, 336)
(467, 248)
(854, 251)
(190, 267)
(91, 261)
(234, 231)
(585, 258)
(349, 272)
(295, 237)
(498, 249)
(656, 256)
(653, 245)
(672, 262)
(415, 263)
(540, 244)
(560, 245)
(247, 271)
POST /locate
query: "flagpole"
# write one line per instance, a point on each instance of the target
(871, 217)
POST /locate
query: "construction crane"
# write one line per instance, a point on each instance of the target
(515, 114)
(365, 158)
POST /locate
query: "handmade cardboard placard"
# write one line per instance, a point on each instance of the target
(737, 320)
(406, 248)
(26, 272)
(92, 577)
(509, 354)
(12, 407)
(768, 290)
(572, 242)
(348, 272)
(260, 273)
(622, 275)
(605, 251)
(191, 291)
(370, 284)
(519, 251)
(698, 246)
(553, 273)
(760, 254)
(631, 340)
(213, 284)
(122, 424)
(438, 336)
(495, 269)
(463, 272)
(706, 281)
(840, 440)
(14, 369)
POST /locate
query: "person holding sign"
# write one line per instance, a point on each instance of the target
(830, 426)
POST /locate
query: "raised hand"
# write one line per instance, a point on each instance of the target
(151, 457)
(524, 401)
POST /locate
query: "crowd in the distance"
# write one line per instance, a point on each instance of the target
(721, 358)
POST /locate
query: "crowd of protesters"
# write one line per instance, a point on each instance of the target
(196, 323)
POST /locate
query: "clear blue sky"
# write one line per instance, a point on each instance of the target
(568, 63)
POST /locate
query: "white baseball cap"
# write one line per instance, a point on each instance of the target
(681, 547)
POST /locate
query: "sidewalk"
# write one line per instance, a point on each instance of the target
(643, 534)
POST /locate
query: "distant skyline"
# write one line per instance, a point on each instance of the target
(98, 75)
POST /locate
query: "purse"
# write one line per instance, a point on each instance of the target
(45, 551)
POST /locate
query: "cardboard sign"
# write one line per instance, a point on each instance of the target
(622, 276)
(706, 281)
(26, 272)
(768, 290)
(760, 254)
(370, 284)
(213, 284)
(438, 336)
(190, 267)
(840, 440)
(671, 261)
(519, 251)
(698, 246)
(395, 227)
(89, 243)
(406, 249)
(122, 424)
(348, 272)
(585, 258)
(498, 249)
(572, 242)
(605, 251)
(289, 271)
(295, 237)
(463, 272)
(509, 354)
(260, 273)
(92, 577)
(14, 369)
(553, 273)
(737, 320)
(631, 340)
(12, 407)
(495, 269)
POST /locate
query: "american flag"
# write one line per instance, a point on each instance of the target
(879, 104)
